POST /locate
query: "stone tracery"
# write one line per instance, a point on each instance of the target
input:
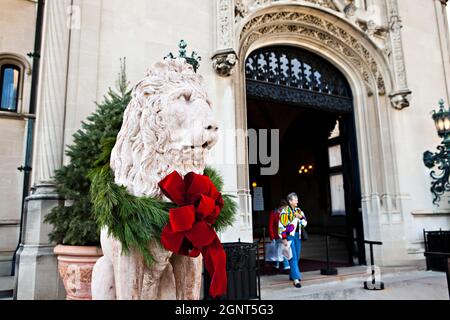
(317, 28)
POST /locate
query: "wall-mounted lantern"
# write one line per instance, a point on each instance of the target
(440, 159)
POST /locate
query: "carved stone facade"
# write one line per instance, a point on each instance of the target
(321, 30)
(244, 7)
(254, 19)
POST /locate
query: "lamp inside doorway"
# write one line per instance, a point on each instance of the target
(306, 169)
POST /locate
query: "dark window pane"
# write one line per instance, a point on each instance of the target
(10, 76)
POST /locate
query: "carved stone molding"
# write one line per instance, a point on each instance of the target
(346, 9)
(224, 58)
(224, 62)
(225, 24)
(401, 96)
(244, 7)
(317, 28)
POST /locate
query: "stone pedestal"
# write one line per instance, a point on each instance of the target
(37, 277)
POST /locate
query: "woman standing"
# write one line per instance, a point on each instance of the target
(292, 220)
(274, 220)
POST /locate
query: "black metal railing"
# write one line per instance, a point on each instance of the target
(445, 257)
(243, 273)
(373, 284)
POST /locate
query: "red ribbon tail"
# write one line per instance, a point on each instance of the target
(215, 264)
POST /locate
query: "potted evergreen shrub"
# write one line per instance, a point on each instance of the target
(75, 229)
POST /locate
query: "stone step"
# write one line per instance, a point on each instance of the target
(400, 283)
(6, 287)
(314, 277)
(344, 273)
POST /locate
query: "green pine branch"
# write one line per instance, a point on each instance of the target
(75, 224)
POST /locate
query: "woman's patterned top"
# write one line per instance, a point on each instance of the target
(288, 222)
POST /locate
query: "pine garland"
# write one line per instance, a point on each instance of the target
(135, 221)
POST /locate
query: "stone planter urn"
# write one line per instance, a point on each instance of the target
(75, 264)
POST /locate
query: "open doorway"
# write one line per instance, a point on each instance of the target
(309, 101)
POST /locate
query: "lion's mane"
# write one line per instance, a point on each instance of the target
(141, 156)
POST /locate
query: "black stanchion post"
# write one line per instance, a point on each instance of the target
(374, 285)
(328, 271)
(448, 275)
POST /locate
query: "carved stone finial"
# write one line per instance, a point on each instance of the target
(224, 62)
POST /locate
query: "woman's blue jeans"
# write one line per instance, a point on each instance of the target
(296, 245)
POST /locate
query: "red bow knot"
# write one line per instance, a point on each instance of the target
(189, 231)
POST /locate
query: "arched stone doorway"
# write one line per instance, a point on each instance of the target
(310, 105)
(367, 71)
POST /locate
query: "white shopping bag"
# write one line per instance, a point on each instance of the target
(271, 250)
(287, 250)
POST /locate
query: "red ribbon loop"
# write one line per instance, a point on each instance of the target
(189, 231)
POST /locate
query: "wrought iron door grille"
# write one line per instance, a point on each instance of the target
(294, 75)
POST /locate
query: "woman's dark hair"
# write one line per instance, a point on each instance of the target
(283, 203)
(291, 195)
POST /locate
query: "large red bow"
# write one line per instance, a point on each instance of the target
(189, 231)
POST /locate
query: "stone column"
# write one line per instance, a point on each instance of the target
(37, 276)
(225, 62)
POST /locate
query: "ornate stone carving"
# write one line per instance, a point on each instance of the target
(400, 97)
(225, 24)
(224, 63)
(350, 9)
(244, 7)
(372, 29)
(319, 29)
(225, 58)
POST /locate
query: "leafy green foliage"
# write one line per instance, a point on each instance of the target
(74, 223)
(228, 212)
(134, 221)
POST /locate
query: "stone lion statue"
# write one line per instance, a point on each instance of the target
(167, 126)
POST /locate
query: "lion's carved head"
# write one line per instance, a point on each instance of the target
(167, 126)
